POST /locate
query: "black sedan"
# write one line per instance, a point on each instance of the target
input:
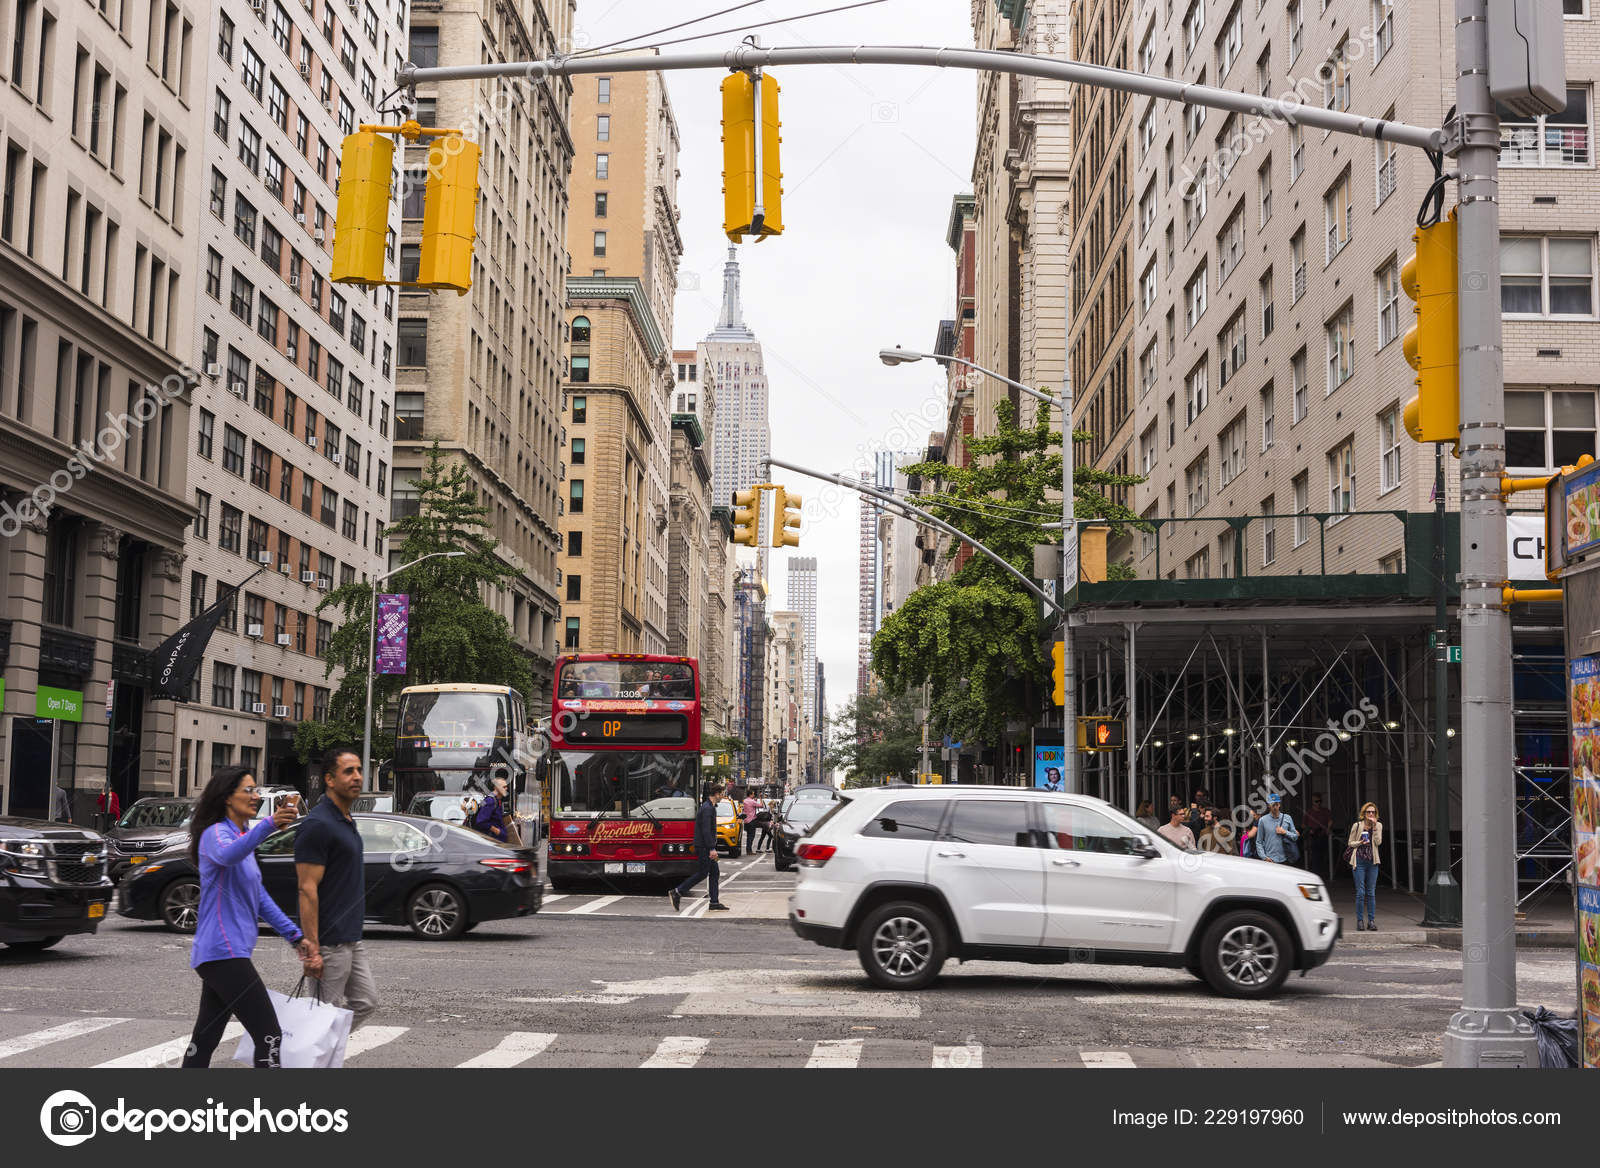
(795, 822)
(437, 879)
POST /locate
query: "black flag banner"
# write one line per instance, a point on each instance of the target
(175, 661)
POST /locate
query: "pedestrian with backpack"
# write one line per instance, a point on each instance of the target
(763, 824)
(1276, 837)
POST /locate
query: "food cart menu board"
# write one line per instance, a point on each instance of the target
(1584, 673)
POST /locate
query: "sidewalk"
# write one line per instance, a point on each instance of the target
(1547, 922)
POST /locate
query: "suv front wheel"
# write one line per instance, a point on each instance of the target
(903, 946)
(1245, 955)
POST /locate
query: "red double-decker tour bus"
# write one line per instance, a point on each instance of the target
(624, 769)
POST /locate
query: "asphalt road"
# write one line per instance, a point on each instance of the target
(629, 983)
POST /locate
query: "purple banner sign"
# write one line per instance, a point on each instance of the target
(394, 618)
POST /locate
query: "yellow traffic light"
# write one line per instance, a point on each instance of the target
(361, 220)
(752, 202)
(747, 517)
(449, 214)
(785, 515)
(1433, 346)
(1058, 653)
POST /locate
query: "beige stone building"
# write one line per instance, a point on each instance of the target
(788, 730)
(482, 374)
(1267, 265)
(291, 459)
(1020, 176)
(103, 127)
(618, 358)
(623, 227)
(1101, 335)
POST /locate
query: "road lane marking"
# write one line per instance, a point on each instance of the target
(513, 1050)
(677, 1052)
(582, 999)
(836, 1053)
(592, 906)
(171, 1052)
(969, 1056)
(370, 1038)
(76, 1029)
(556, 897)
(1104, 1059)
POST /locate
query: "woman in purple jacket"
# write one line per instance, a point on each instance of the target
(232, 900)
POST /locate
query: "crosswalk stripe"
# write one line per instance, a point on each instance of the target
(171, 1052)
(370, 1038)
(592, 906)
(969, 1056)
(677, 1052)
(1106, 1059)
(75, 1029)
(836, 1052)
(551, 898)
(513, 1050)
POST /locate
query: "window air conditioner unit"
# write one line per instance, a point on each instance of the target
(284, 567)
(317, 235)
(308, 577)
(299, 216)
(283, 639)
(291, 351)
(240, 391)
(252, 630)
(213, 369)
(294, 282)
(280, 711)
(327, 106)
(324, 583)
(258, 5)
(305, 68)
(263, 557)
(311, 439)
(258, 707)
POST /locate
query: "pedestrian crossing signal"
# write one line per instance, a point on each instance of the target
(1100, 734)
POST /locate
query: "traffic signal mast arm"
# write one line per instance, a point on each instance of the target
(932, 521)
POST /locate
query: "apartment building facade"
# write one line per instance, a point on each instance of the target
(290, 458)
(1270, 315)
(102, 128)
(482, 374)
(623, 225)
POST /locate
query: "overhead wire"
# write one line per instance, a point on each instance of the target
(668, 28)
(762, 24)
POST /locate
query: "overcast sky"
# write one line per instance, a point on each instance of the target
(871, 159)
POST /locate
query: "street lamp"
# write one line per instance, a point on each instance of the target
(372, 648)
(1069, 528)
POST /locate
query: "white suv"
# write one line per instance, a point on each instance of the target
(911, 876)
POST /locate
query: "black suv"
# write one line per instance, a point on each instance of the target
(53, 882)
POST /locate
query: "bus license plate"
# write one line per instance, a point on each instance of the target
(632, 868)
(97, 910)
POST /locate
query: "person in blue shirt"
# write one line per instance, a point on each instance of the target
(1272, 829)
(222, 844)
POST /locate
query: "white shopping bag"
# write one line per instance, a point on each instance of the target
(314, 1033)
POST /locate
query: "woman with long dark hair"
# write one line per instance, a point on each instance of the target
(223, 845)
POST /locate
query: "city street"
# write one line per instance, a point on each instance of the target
(602, 981)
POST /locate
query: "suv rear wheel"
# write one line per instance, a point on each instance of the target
(1245, 955)
(903, 945)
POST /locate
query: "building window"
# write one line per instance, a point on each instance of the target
(580, 410)
(1297, 152)
(602, 166)
(1557, 140)
(1342, 479)
(572, 641)
(1336, 79)
(1194, 204)
(1196, 394)
(1549, 429)
(580, 330)
(1388, 303)
(1383, 29)
(413, 338)
(1547, 276)
(1264, 190)
(1264, 288)
(222, 685)
(574, 543)
(575, 503)
(1390, 434)
(232, 451)
(1269, 416)
(599, 243)
(603, 85)
(1230, 245)
(202, 518)
(579, 446)
(574, 587)
(1269, 532)
(1386, 160)
(1231, 348)
(1336, 216)
(1197, 482)
(1341, 347)
(1297, 266)
(1297, 28)
(1194, 299)
(208, 425)
(600, 198)
(580, 372)
(1301, 385)
(242, 297)
(230, 529)
(1231, 446)
(602, 128)
(1302, 507)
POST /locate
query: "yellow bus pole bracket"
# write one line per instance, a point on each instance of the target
(410, 131)
(1510, 595)
(1510, 486)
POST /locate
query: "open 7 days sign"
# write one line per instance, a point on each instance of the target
(64, 705)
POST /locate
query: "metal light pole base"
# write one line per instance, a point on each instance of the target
(1443, 905)
(1490, 1039)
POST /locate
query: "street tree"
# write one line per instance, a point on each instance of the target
(976, 638)
(874, 737)
(454, 635)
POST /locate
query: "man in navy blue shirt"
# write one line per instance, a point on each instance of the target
(333, 892)
(705, 849)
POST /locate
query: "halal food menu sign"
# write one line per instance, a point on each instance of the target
(1585, 705)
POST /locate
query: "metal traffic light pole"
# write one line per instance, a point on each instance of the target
(1488, 1030)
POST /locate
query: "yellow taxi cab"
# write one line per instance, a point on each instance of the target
(729, 828)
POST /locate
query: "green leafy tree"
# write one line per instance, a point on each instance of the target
(874, 737)
(975, 639)
(454, 636)
(718, 745)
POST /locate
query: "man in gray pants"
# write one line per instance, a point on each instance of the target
(333, 893)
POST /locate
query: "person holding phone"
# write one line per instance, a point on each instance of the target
(1366, 837)
(222, 844)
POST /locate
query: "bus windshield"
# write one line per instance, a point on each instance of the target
(626, 782)
(627, 679)
(451, 729)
